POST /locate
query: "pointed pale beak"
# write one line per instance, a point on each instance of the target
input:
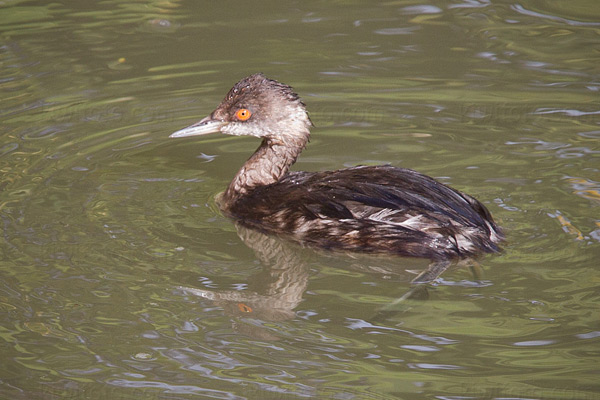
(203, 127)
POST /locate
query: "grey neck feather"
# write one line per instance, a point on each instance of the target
(269, 163)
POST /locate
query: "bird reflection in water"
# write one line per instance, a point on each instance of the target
(274, 293)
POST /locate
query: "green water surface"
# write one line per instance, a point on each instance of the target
(120, 279)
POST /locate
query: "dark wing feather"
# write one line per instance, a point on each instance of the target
(378, 209)
(386, 187)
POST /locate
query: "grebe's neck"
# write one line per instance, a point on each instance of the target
(269, 163)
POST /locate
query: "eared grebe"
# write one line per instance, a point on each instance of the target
(380, 209)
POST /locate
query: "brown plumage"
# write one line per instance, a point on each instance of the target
(380, 209)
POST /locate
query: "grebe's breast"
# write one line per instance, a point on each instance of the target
(380, 209)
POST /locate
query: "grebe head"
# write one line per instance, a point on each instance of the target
(256, 106)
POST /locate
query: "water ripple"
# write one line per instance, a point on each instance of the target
(522, 10)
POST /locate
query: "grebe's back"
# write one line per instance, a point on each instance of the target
(381, 209)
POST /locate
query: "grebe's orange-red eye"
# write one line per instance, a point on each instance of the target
(243, 114)
(244, 308)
